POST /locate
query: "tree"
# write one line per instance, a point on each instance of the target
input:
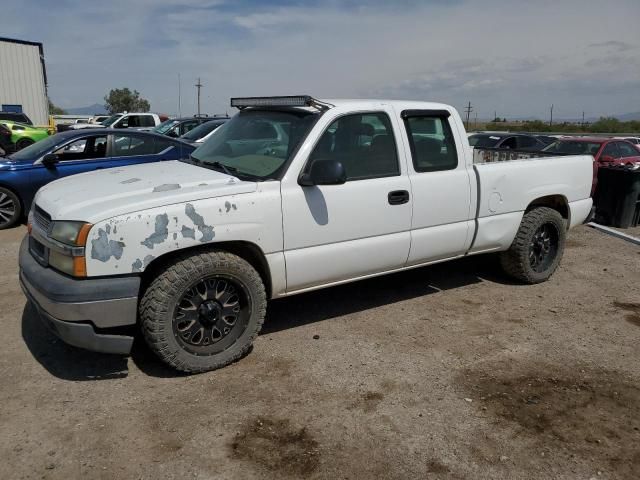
(124, 100)
(53, 110)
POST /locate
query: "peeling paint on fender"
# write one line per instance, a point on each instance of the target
(136, 266)
(198, 220)
(148, 259)
(160, 234)
(103, 249)
(188, 232)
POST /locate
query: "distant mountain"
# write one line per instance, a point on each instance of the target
(627, 117)
(95, 109)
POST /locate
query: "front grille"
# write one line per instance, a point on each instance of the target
(41, 218)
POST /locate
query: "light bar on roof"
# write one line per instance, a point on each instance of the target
(289, 101)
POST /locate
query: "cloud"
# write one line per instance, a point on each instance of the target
(613, 45)
(514, 57)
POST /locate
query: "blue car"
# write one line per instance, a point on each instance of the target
(71, 152)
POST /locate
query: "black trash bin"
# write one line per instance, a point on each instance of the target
(617, 196)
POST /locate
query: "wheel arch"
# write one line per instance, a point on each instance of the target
(248, 251)
(556, 202)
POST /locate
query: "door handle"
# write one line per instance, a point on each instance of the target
(398, 197)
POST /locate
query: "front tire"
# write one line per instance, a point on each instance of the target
(10, 208)
(203, 311)
(537, 248)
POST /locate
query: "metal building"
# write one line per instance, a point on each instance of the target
(23, 79)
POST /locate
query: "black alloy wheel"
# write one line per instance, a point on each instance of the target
(211, 315)
(543, 247)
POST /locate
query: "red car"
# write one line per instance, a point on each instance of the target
(605, 151)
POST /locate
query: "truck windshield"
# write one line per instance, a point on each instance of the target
(256, 143)
(569, 147)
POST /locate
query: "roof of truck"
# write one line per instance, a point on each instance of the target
(360, 102)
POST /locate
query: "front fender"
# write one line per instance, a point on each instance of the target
(129, 243)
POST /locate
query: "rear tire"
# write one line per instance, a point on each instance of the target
(537, 249)
(23, 143)
(203, 311)
(10, 208)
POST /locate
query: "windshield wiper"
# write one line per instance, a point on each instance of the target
(232, 171)
(219, 166)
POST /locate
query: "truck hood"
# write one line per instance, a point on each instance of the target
(103, 194)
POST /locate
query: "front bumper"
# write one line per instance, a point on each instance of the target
(73, 309)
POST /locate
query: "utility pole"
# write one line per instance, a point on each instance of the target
(495, 116)
(179, 98)
(583, 119)
(469, 109)
(199, 86)
(475, 122)
(551, 118)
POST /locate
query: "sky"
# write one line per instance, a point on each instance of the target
(515, 58)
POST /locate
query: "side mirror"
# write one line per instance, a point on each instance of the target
(122, 125)
(324, 172)
(172, 133)
(50, 159)
(607, 159)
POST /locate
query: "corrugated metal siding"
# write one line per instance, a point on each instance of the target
(22, 80)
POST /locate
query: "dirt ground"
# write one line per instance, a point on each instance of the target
(450, 372)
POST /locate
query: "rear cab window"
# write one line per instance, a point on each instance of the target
(431, 140)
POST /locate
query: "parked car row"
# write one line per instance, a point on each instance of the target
(21, 135)
(532, 143)
(605, 151)
(76, 151)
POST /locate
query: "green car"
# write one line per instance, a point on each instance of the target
(23, 135)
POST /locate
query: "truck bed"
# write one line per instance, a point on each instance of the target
(506, 188)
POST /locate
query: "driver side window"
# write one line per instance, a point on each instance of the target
(363, 143)
(94, 147)
(610, 151)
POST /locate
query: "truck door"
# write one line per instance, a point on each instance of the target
(442, 221)
(334, 233)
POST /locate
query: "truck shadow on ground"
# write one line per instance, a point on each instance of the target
(64, 361)
(69, 363)
(354, 297)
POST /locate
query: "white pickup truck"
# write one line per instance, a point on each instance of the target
(137, 121)
(292, 194)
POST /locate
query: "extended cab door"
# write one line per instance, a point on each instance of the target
(333, 233)
(443, 217)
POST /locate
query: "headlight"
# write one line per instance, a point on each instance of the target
(70, 233)
(71, 260)
(63, 263)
